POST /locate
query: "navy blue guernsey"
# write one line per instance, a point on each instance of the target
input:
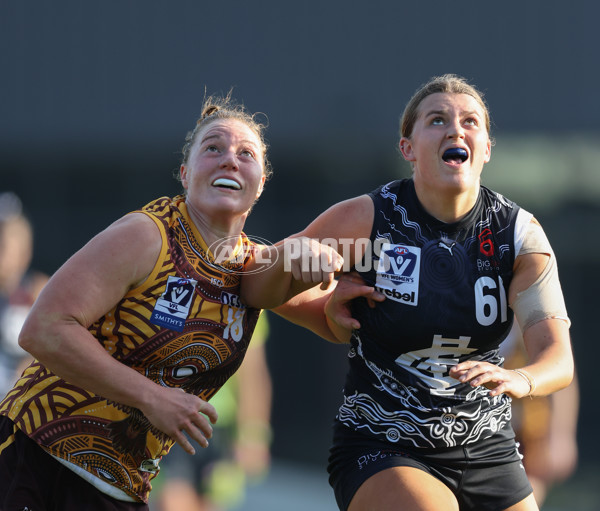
(446, 287)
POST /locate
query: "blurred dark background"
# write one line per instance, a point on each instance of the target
(96, 99)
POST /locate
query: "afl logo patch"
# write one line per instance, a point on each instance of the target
(401, 250)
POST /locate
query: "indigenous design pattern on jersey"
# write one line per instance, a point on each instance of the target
(197, 353)
(446, 287)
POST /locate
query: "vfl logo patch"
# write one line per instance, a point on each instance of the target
(173, 307)
(398, 273)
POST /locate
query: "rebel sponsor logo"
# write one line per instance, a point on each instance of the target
(396, 295)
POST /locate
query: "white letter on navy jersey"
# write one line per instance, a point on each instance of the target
(432, 364)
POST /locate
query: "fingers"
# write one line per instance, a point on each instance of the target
(472, 371)
(352, 277)
(495, 378)
(329, 276)
(337, 307)
(351, 285)
(198, 428)
(311, 262)
(209, 410)
(185, 444)
(342, 317)
(350, 292)
(351, 288)
(459, 370)
(186, 418)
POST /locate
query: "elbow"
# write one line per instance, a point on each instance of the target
(248, 294)
(570, 374)
(250, 300)
(569, 368)
(26, 339)
(29, 337)
(566, 375)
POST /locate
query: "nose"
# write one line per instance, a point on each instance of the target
(455, 129)
(229, 160)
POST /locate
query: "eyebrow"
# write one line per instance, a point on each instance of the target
(444, 112)
(219, 135)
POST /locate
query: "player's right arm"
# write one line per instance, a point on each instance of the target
(88, 285)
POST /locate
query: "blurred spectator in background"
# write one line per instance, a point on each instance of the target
(546, 427)
(215, 478)
(19, 286)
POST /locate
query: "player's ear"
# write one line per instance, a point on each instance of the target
(406, 149)
(183, 174)
(488, 152)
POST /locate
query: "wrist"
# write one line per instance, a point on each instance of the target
(529, 379)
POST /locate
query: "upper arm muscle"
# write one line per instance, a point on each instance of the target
(345, 222)
(96, 277)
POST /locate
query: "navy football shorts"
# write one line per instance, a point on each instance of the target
(487, 475)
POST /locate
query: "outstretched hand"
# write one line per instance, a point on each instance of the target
(176, 412)
(337, 308)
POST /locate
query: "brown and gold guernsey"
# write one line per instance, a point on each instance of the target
(183, 327)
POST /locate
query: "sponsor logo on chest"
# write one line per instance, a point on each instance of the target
(398, 273)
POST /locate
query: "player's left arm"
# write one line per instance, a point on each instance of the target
(280, 272)
(535, 295)
(307, 309)
(343, 224)
(327, 312)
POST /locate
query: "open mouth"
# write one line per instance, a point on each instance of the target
(455, 155)
(230, 184)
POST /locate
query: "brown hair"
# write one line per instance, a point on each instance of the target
(224, 107)
(448, 83)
